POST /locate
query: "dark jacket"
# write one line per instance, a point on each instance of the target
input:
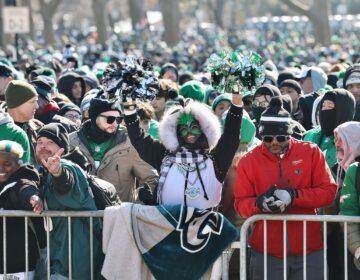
(66, 83)
(15, 195)
(153, 152)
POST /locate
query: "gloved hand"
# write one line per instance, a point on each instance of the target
(286, 195)
(146, 195)
(267, 202)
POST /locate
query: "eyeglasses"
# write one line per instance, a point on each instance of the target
(279, 138)
(72, 117)
(111, 119)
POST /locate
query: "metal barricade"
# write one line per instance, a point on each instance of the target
(4, 214)
(324, 219)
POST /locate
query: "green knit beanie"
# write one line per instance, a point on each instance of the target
(18, 92)
(194, 90)
(218, 99)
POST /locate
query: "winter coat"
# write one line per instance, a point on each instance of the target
(15, 194)
(77, 198)
(121, 164)
(302, 168)
(10, 131)
(326, 145)
(350, 205)
(218, 163)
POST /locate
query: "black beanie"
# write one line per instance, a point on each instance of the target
(285, 75)
(69, 107)
(57, 133)
(353, 71)
(291, 84)
(267, 90)
(100, 104)
(169, 67)
(275, 120)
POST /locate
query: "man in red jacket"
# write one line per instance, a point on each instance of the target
(283, 175)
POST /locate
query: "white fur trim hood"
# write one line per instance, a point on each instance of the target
(209, 123)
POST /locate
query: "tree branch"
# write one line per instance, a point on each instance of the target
(49, 8)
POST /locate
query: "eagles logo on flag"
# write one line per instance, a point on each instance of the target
(196, 227)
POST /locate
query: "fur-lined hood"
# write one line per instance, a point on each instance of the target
(209, 123)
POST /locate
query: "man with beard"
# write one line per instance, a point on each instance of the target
(293, 179)
(107, 147)
(351, 82)
(66, 188)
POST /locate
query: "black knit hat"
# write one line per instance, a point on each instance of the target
(291, 84)
(270, 90)
(352, 75)
(68, 107)
(169, 67)
(57, 133)
(100, 104)
(275, 120)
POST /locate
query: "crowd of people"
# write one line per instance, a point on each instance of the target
(289, 147)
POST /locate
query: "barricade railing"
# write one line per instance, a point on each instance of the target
(226, 255)
(324, 219)
(4, 214)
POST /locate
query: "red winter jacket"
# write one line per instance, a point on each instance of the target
(303, 168)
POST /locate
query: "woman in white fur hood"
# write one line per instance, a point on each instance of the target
(192, 156)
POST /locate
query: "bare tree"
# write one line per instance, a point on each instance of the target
(101, 19)
(2, 35)
(47, 11)
(171, 18)
(32, 28)
(318, 15)
(218, 12)
(136, 11)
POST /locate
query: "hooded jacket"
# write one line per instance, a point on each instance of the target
(10, 131)
(15, 194)
(344, 111)
(302, 168)
(349, 200)
(66, 83)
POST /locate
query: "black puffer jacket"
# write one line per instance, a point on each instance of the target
(15, 194)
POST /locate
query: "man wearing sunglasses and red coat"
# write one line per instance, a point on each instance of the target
(106, 145)
(288, 176)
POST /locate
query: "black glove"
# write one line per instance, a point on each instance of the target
(146, 195)
(267, 202)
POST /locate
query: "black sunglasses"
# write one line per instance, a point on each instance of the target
(279, 138)
(111, 119)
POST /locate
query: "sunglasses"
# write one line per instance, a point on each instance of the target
(111, 119)
(279, 138)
